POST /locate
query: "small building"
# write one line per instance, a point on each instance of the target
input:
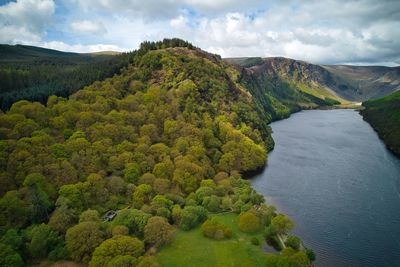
(110, 215)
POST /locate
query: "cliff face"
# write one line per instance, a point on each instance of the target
(352, 83)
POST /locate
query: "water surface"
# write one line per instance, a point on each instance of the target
(335, 178)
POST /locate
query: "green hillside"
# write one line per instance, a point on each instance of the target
(35, 73)
(384, 116)
(342, 83)
(164, 143)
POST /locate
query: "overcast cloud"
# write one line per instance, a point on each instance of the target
(328, 32)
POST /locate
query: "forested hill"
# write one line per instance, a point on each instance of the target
(165, 142)
(384, 116)
(35, 73)
(339, 82)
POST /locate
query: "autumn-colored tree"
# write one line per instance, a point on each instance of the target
(116, 246)
(249, 222)
(158, 231)
(282, 224)
(82, 239)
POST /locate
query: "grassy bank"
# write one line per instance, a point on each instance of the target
(191, 248)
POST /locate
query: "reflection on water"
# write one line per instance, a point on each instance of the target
(331, 173)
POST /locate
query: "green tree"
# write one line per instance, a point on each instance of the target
(123, 261)
(116, 246)
(89, 216)
(14, 212)
(191, 216)
(158, 231)
(132, 173)
(12, 239)
(282, 224)
(62, 219)
(142, 195)
(213, 229)
(148, 261)
(41, 203)
(249, 222)
(82, 239)
(293, 242)
(9, 258)
(42, 240)
(134, 219)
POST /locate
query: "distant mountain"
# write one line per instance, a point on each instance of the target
(14, 53)
(18, 53)
(341, 82)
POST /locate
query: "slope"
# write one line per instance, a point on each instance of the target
(35, 73)
(384, 116)
(338, 82)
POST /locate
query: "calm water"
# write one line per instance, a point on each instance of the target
(334, 177)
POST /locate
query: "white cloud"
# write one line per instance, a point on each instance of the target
(87, 26)
(332, 31)
(25, 20)
(79, 48)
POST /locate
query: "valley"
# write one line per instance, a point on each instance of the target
(164, 136)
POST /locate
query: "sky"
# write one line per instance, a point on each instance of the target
(362, 32)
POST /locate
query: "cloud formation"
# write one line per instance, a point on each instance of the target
(328, 32)
(25, 20)
(87, 26)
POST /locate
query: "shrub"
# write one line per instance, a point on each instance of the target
(255, 241)
(191, 216)
(293, 242)
(310, 254)
(213, 229)
(249, 222)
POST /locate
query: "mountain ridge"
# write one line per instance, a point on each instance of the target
(349, 82)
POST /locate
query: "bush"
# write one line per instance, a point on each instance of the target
(191, 216)
(254, 240)
(213, 229)
(293, 242)
(310, 254)
(249, 222)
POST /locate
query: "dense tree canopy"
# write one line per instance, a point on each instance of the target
(160, 145)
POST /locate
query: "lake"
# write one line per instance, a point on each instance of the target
(335, 178)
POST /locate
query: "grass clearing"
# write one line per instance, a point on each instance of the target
(322, 93)
(191, 248)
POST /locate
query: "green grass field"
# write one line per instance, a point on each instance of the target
(191, 248)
